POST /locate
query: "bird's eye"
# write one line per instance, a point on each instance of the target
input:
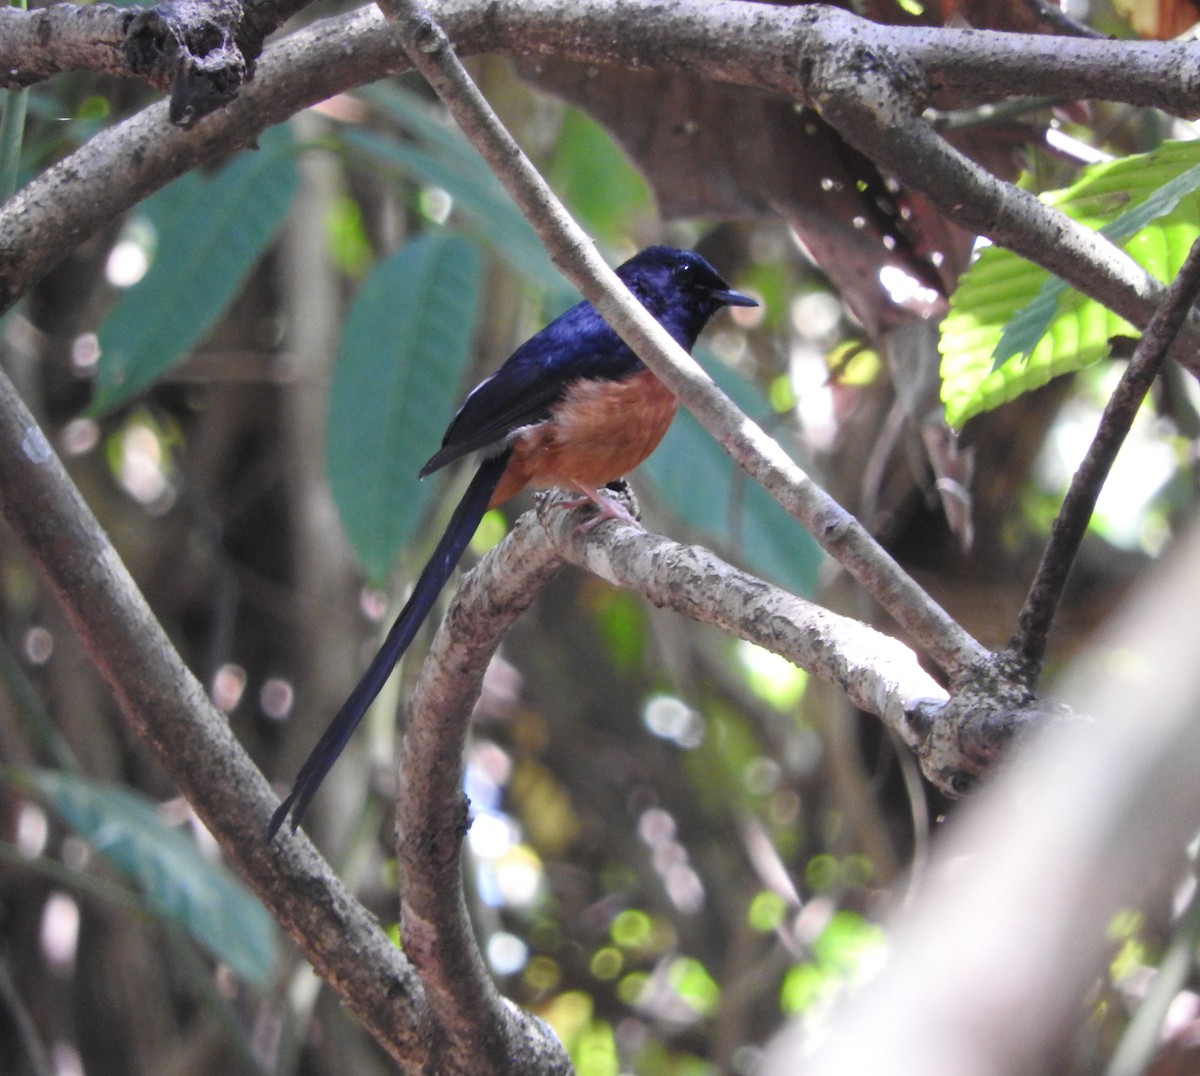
(684, 270)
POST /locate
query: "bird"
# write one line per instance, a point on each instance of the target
(573, 408)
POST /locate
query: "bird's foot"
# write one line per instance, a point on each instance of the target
(606, 508)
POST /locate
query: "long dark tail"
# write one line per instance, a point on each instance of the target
(429, 584)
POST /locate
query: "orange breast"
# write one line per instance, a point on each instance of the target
(600, 431)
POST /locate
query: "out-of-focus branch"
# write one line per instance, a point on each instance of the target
(992, 971)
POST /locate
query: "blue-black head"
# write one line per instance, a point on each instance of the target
(680, 288)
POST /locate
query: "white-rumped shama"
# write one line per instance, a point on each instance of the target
(574, 408)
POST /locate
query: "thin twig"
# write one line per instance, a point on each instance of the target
(1045, 594)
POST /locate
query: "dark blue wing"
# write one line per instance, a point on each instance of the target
(577, 344)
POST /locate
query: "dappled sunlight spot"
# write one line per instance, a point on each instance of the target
(904, 289)
(489, 768)
(595, 1052)
(632, 987)
(491, 835)
(656, 826)
(79, 436)
(506, 953)
(435, 204)
(542, 974)
(685, 888)
(766, 911)
(59, 935)
(848, 952)
(142, 466)
(37, 645)
(692, 982)
(129, 259)
(66, 1060)
(672, 719)
(670, 859)
(519, 875)
(814, 394)
(276, 698)
(606, 963)
(568, 1014)
(631, 928)
(373, 603)
(816, 315)
(85, 353)
(228, 684)
(492, 528)
(31, 830)
(772, 678)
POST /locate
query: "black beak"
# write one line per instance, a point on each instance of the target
(729, 297)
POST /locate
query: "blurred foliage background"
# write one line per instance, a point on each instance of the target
(678, 840)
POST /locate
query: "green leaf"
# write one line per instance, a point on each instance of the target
(596, 179)
(403, 352)
(1010, 311)
(698, 481)
(211, 230)
(201, 896)
(440, 156)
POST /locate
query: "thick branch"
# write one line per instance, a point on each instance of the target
(750, 44)
(192, 742)
(484, 1033)
(879, 674)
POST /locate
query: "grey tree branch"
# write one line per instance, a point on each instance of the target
(835, 529)
(169, 710)
(125, 163)
(747, 44)
(1086, 822)
(484, 1033)
(879, 674)
(772, 48)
